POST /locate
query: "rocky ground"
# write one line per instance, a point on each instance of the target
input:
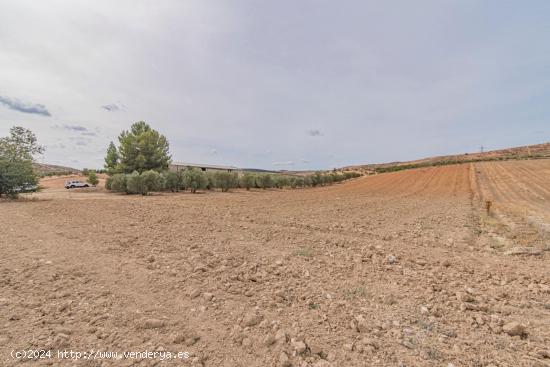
(389, 270)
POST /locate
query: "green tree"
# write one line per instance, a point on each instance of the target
(247, 181)
(265, 181)
(117, 182)
(16, 157)
(280, 181)
(195, 179)
(152, 181)
(317, 179)
(92, 178)
(134, 184)
(174, 181)
(16, 176)
(111, 159)
(142, 149)
(226, 180)
(20, 145)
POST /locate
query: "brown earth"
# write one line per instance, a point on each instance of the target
(58, 182)
(396, 269)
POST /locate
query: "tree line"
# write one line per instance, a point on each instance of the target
(140, 163)
(193, 179)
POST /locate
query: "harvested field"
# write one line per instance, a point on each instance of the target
(519, 193)
(387, 270)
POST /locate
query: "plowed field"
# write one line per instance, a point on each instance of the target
(520, 197)
(397, 269)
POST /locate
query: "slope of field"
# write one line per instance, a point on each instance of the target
(58, 182)
(537, 151)
(519, 193)
(48, 169)
(385, 270)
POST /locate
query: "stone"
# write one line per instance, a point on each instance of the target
(361, 324)
(195, 293)
(281, 337)
(514, 328)
(200, 268)
(252, 319)
(247, 343)
(269, 340)
(179, 338)
(299, 346)
(283, 360)
(153, 324)
(391, 259)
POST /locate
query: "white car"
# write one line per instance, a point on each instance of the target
(75, 183)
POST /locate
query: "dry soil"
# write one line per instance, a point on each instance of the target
(397, 269)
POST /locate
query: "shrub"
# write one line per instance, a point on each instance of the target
(247, 181)
(281, 181)
(134, 184)
(316, 179)
(308, 181)
(210, 180)
(174, 181)
(16, 176)
(265, 181)
(92, 178)
(195, 179)
(109, 183)
(295, 182)
(152, 181)
(85, 172)
(118, 182)
(226, 180)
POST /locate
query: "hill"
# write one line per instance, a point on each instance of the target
(54, 170)
(537, 151)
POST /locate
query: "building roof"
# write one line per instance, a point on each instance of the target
(199, 165)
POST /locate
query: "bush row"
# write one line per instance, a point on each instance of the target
(194, 179)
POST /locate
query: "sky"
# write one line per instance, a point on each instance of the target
(286, 84)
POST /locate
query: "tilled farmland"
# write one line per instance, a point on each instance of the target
(398, 269)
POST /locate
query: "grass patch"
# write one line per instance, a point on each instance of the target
(304, 252)
(358, 292)
(313, 306)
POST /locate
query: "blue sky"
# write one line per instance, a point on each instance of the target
(277, 85)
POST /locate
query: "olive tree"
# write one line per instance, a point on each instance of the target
(195, 179)
(117, 182)
(247, 181)
(226, 180)
(174, 181)
(265, 181)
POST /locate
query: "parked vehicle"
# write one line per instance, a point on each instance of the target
(73, 184)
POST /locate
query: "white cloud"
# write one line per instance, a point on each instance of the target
(378, 81)
(284, 163)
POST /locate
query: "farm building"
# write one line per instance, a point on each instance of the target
(179, 166)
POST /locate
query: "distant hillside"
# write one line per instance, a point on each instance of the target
(537, 151)
(258, 170)
(53, 170)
